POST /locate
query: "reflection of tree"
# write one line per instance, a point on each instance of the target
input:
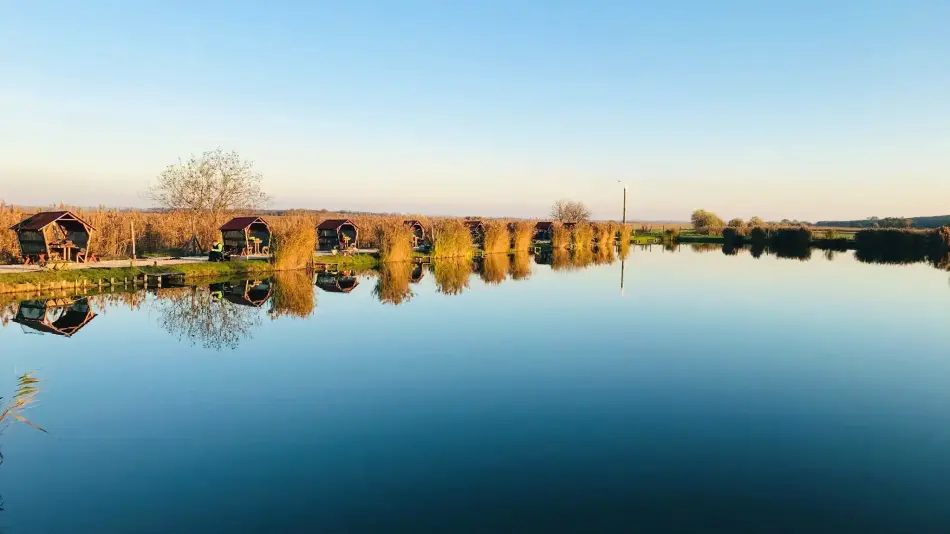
(521, 266)
(494, 268)
(191, 314)
(293, 294)
(451, 275)
(392, 286)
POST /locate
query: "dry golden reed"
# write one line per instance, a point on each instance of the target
(394, 239)
(582, 238)
(560, 237)
(292, 243)
(451, 238)
(497, 239)
(522, 235)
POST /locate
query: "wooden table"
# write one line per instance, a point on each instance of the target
(65, 249)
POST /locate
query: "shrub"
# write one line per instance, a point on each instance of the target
(497, 238)
(394, 240)
(451, 238)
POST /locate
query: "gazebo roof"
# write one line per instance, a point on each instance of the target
(240, 223)
(544, 225)
(334, 224)
(45, 218)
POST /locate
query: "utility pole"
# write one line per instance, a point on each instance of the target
(624, 202)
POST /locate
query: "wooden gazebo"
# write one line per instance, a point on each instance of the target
(245, 236)
(54, 235)
(418, 232)
(337, 282)
(54, 317)
(478, 230)
(543, 231)
(338, 234)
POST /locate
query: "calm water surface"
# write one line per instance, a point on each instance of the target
(715, 393)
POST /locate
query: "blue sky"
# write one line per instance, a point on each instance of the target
(488, 107)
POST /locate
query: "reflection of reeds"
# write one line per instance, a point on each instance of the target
(497, 238)
(523, 235)
(582, 257)
(495, 268)
(624, 248)
(560, 260)
(451, 238)
(560, 237)
(293, 294)
(451, 275)
(582, 237)
(604, 255)
(605, 233)
(394, 239)
(392, 286)
(23, 396)
(521, 266)
(292, 243)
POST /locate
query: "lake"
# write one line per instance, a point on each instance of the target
(713, 393)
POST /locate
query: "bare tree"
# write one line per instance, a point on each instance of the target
(570, 211)
(209, 185)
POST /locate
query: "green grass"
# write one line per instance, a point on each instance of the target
(92, 274)
(354, 262)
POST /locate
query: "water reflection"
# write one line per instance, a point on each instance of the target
(604, 255)
(451, 275)
(342, 282)
(293, 295)
(392, 284)
(520, 266)
(494, 268)
(60, 317)
(254, 293)
(200, 316)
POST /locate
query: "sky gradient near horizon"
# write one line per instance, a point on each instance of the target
(805, 109)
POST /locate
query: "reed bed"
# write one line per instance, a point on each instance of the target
(497, 238)
(560, 237)
(451, 275)
(450, 238)
(293, 295)
(582, 238)
(522, 235)
(582, 257)
(520, 266)
(394, 239)
(623, 250)
(604, 255)
(392, 285)
(292, 244)
(605, 233)
(561, 260)
(494, 268)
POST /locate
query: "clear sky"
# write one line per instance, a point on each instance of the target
(488, 107)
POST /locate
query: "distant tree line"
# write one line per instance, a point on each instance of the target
(891, 222)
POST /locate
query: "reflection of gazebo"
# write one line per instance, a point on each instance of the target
(337, 282)
(244, 292)
(54, 235)
(418, 271)
(54, 317)
(418, 232)
(337, 234)
(246, 235)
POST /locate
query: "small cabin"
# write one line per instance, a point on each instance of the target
(246, 236)
(477, 228)
(252, 293)
(418, 232)
(337, 282)
(339, 234)
(54, 235)
(543, 231)
(54, 317)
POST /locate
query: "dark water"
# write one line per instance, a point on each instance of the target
(715, 393)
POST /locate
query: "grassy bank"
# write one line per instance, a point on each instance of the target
(93, 274)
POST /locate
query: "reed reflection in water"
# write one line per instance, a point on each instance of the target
(494, 268)
(392, 284)
(293, 295)
(451, 275)
(520, 266)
